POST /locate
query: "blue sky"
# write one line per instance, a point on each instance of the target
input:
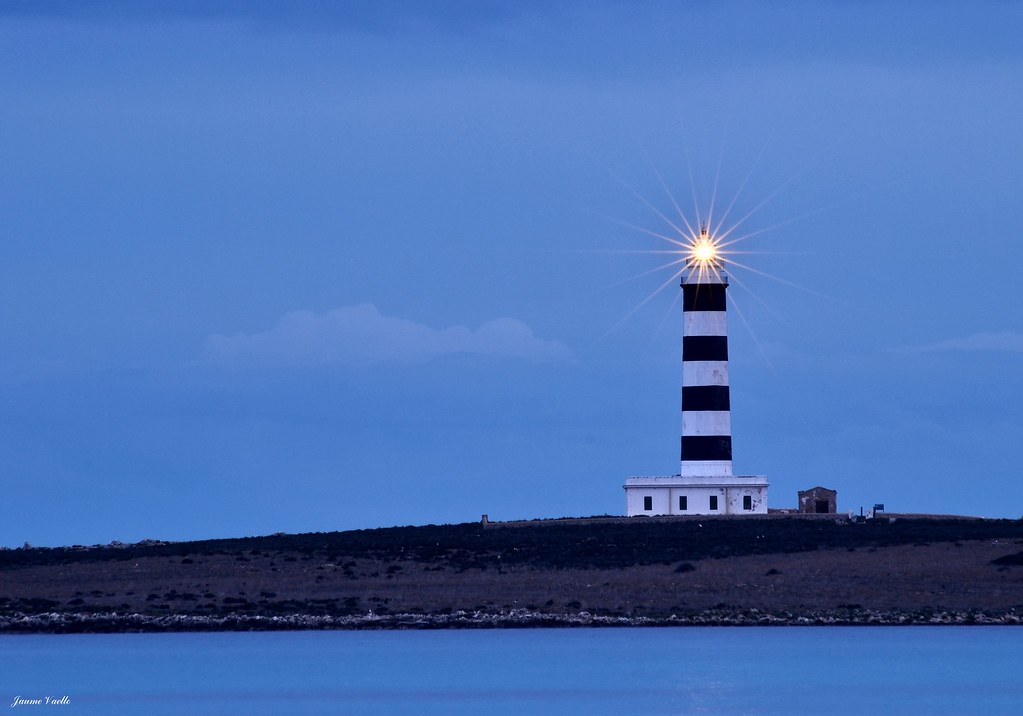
(306, 266)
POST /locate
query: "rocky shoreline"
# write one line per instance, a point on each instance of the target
(69, 623)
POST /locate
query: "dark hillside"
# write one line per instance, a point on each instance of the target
(623, 571)
(606, 543)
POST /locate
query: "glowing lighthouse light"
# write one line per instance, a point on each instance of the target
(703, 250)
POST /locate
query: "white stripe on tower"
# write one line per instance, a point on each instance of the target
(706, 416)
(704, 323)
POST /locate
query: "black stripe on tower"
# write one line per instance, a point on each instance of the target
(703, 297)
(706, 447)
(705, 397)
(705, 348)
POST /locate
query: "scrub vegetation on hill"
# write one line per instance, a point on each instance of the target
(605, 543)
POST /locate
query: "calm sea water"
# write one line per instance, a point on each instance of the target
(779, 670)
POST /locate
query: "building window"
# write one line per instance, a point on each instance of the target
(713, 502)
(747, 502)
(683, 503)
(648, 503)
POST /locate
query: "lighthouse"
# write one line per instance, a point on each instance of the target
(705, 484)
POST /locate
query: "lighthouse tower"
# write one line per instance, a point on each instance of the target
(705, 484)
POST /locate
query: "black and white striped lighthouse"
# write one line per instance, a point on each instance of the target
(706, 420)
(705, 484)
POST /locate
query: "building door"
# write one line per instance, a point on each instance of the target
(821, 507)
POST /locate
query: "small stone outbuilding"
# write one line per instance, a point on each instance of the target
(818, 500)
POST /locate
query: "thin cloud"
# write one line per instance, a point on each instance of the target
(1003, 341)
(361, 335)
